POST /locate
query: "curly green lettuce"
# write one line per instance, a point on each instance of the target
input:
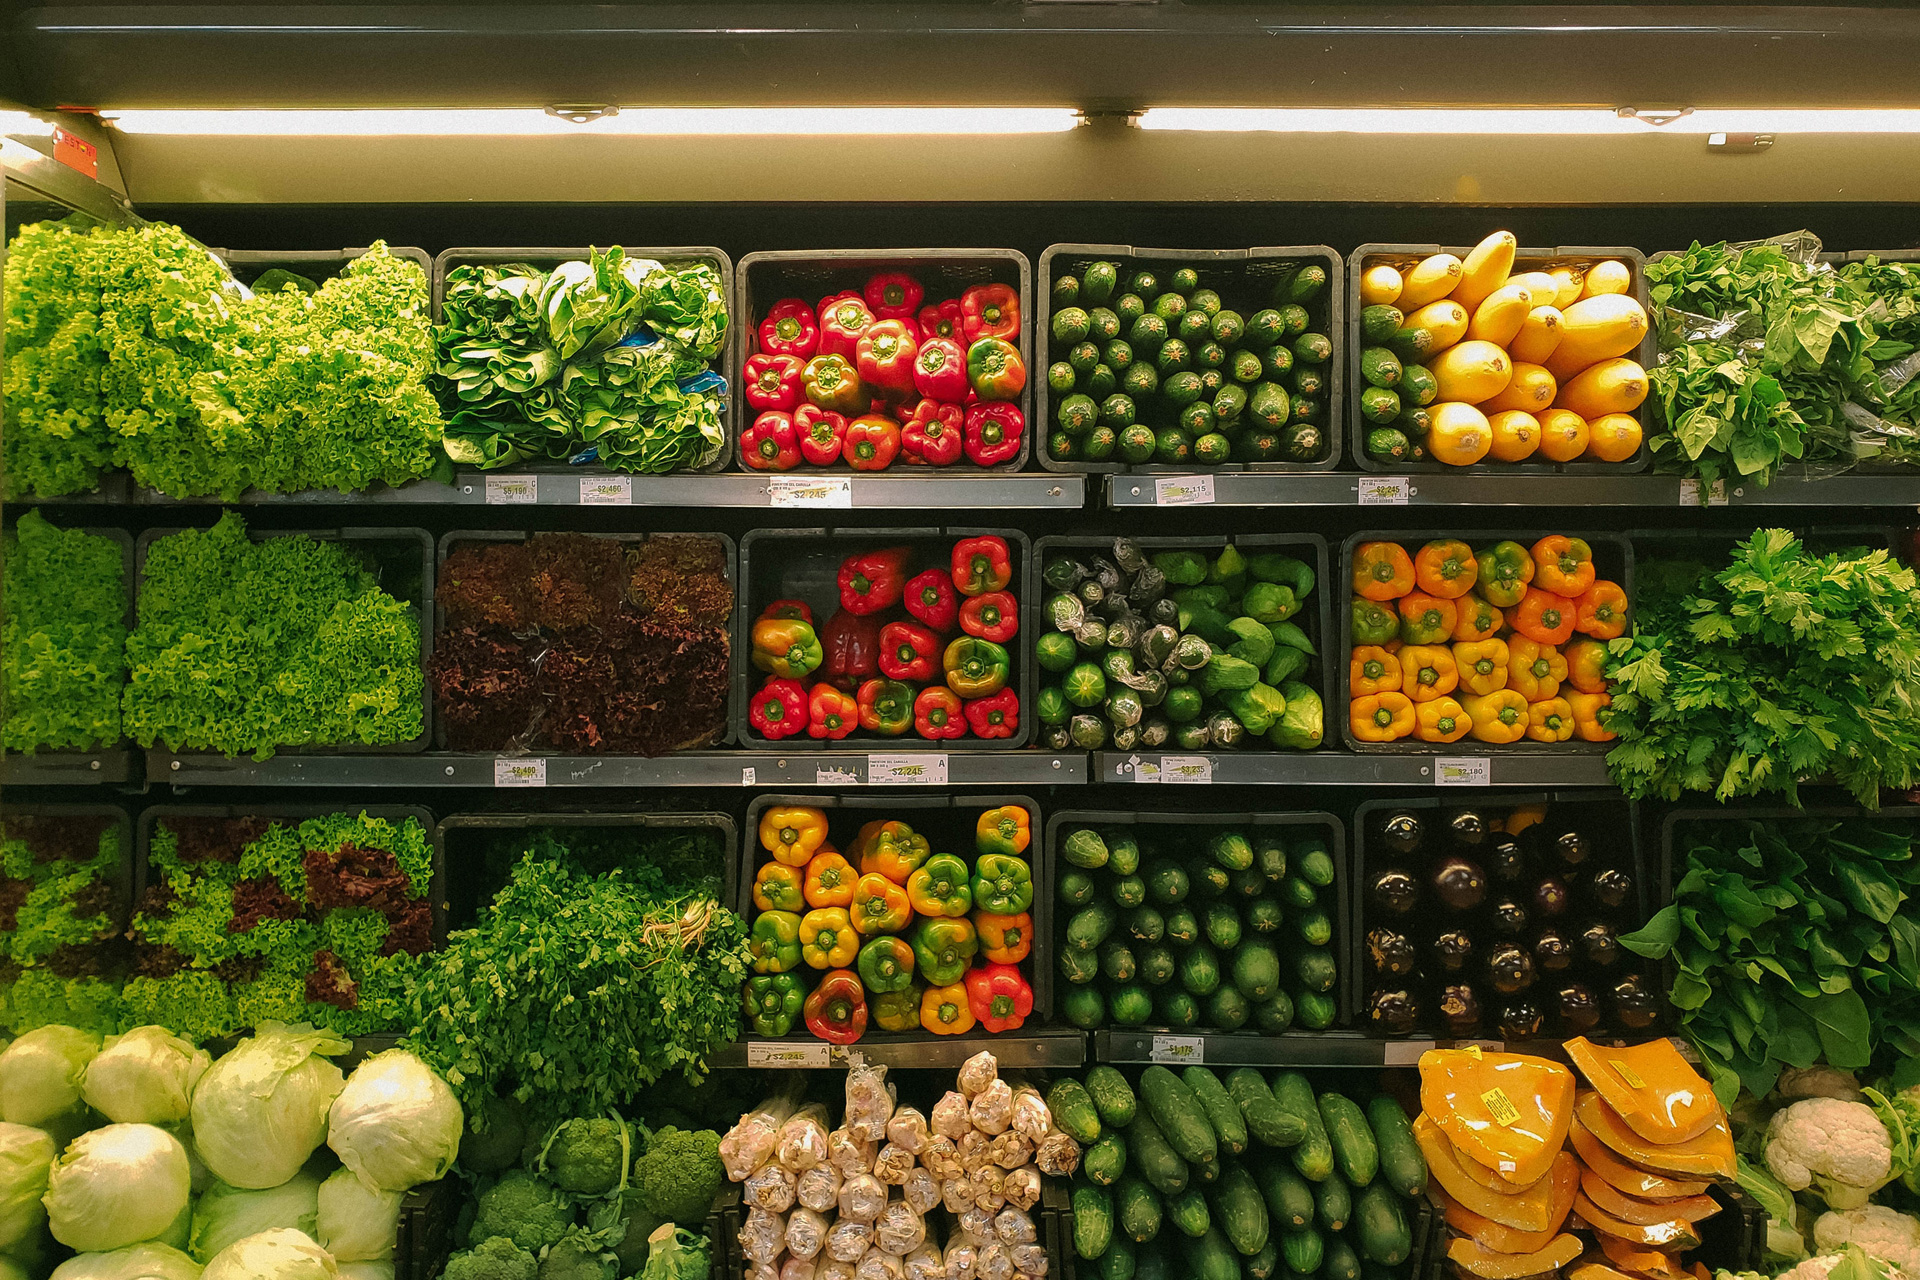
(63, 644)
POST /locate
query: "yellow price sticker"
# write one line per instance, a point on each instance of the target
(1472, 1051)
(1500, 1106)
(1627, 1073)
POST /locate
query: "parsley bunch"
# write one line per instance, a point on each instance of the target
(63, 646)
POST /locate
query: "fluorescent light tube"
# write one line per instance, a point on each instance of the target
(1522, 121)
(633, 122)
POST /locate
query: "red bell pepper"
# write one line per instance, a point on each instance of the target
(937, 714)
(940, 370)
(893, 295)
(934, 434)
(886, 706)
(821, 433)
(908, 651)
(780, 708)
(820, 307)
(930, 598)
(787, 609)
(990, 311)
(873, 442)
(942, 320)
(837, 1010)
(790, 330)
(993, 433)
(770, 443)
(831, 712)
(981, 565)
(852, 645)
(995, 369)
(831, 382)
(995, 716)
(993, 616)
(873, 580)
(998, 996)
(773, 382)
(885, 355)
(842, 321)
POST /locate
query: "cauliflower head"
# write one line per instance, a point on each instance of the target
(588, 1157)
(680, 1174)
(531, 1213)
(1889, 1236)
(497, 1258)
(1840, 1149)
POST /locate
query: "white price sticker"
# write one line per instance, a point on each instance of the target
(606, 491)
(1191, 1050)
(763, 1053)
(1405, 1053)
(1463, 771)
(810, 491)
(907, 771)
(1690, 493)
(520, 773)
(748, 775)
(512, 491)
(1385, 491)
(1145, 770)
(1183, 491)
(1196, 770)
(832, 775)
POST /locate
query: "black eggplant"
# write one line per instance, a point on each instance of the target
(1467, 827)
(1390, 954)
(1601, 945)
(1553, 952)
(1635, 1005)
(1520, 1020)
(1579, 1011)
(1401, 831)
(1395, 892)
(1459, 884)
(1393, 1012)
(1505, 861)
(1452, 950)
(1508, 918)
(1460, 1010)
(1611, 888)
(1551, 898)
(1509, 969)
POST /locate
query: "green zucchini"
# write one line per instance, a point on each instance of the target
(1178, 1113)
(1332, 1201)
(1223, 1113)
(1112, 1096)
(1073, 1111)
(1153, 1158)
(1401, 1163)
(1106, 1159)
(1313, 1155)
(1264, 1264)
(1384, 1234)
(1289, 1199)
(1267, 1121)
(1351, 1136)
(1138, 1207)
(1241, 1212)
(1092, 1220)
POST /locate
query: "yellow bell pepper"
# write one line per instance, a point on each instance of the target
(1586, 716)
(1478, 620)
(1550, 721)
(777, 887)
(830, 880)
(1587, 665)
(1440, 720)
(1500, 716)
(793, 835)
(945, 1011)
(1372, 670)
(1482, 665)
(828, 939)
(880, 905)
(1381, 717)
(1427, 672)
(1534, 670)
(892, 849)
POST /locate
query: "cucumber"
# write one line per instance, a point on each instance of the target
(1205, 1172)
(1223, 1113)
(1178, 1113)
(1241, 1212)
(1313, 1155)
(1151, 1264)
(1123, 854)
(1212, 1258)
(1112, 1096)
(1302, 1250)
(1267, 1122)
(1341, 1262)
(1091, 925)
(1073, 1111)
(1153, 1158)
(1313, 861)
(1188, 1212)
(1138, 1207)
(1117, 1263)
(1351, 1136)
(1092, 1220)
(1314, 966)
(1298, 894)
(1315, 927)
(1332, 1201)
(1264, 1264)
(1289, 1199)
(1315, 1010)
(1106, 1159)
(1384, 1234)
(1401, 1163)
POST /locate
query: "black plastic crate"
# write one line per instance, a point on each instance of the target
(402, 563)
(1613, 562)
(735, 711)
(1613, 828)
(318, 265)
(74, 764)
(1340, 909)
(1232, 273)
(804, 564)
(424, 1237)
(1316, 619)
(765, 278)
(1524, 260)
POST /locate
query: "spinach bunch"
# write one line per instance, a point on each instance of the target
(1886, 412)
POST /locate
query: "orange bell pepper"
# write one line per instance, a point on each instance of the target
(1587, 666)
(1381, 717)
(1004, 939)
(793, 834)
(1586, 716)
(892, 849)
(830, 880)
(1534, 670)
(1008, 829)
(880, 905)
(1500, 716)
(1372, 670)
(1445, 568)
(776, 887)
(1562, 565)
(1482, 665)
(1442, 720)
(945, 1011)
(1381, 571)
(1478, 619)
(1426, 619)
(1602, 611)
(828, 939)
(1544, 617)
(1550, 721)
(1427, 671)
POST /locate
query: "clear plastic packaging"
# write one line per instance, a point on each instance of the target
(977, 1072)
(976, 1153)
(977, 1223)
(1022, 1187)
(950, 1118)
(831, 1268)
(956, 1195)
(862, 1198)
(900, 1230)
(770, 1188)
(1058, 1156)
(961, 1257)
(1011, 1149)
(893, 1164)
(869, 1103)
(880, 1265)
(806, 1233)
(942, 1157)
(850, 1155)
(1013, 1226)
(747, 1145)
(765, 1270)
(925, 1263)
(763, 1236)
(800, 1269)
(849, 1240)
(803, 1138)
(990, 1188)
(818, 1188)
(921, 1190)
(992, 1107)
(1031, 1118)
(1029, 1259)
(996, 1263)
(908, 1130)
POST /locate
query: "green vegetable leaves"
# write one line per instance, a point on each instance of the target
(62, 649)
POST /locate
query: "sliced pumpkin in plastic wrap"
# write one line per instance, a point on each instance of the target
(1589, 1267)
(1524, 1209)
(1709, 1155)
(1676, 1233)
(1471, 1258)
(1498, 1235)
(1650, 1086)
(1638, 1183)
(1611, 1200)
(1641, 1260)
(1508, 1111)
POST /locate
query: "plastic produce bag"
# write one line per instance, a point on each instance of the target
(772, 1187)
(1029, 1259)
(1011, 1149)
(878, 1265)
(893, 1164)
(356, 1223)
(990, 1188)
(146, 1076)
(800, 1269)
(1031, 1119)
(1013, 1226)
(942, 1158)
(828, 1268)
(976, 1153)
(996, 1263)
(977, 1072)
(763, 1236)
(1022, 1187)
(26, 1157)
(992, 1107)
(1058, 1156)
(803, 1138)
(806, 1233)
(769, 1270)
(862, 1198)
(961, 1257)
(747, 1145)
(273, 1255)
(950, 1118)
(922, 1191)
(117, 1186)
(908, 1130)
(849, 1240)
(818, 1188)
(224, 1214)
(956, 1195)
(925, 1263)
(396, 1124)
(900, 1230)
(870, 1102)
(850, 1155)
(261, 1110)
(40, 1073)
(977, 1223)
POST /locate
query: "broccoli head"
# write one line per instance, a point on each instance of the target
(577, 1258)
(680, 1174)
(497, 1258)
(588, 1157)
(499, 1147)
(531, 1213)
(639, 1223)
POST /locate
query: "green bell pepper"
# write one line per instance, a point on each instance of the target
(1002, 884)
(885, 964)
(1373, 622)
(774, 943)
(940, 888)
(772, 1003)
(976, 668)
(943, 949)
(897, 1010)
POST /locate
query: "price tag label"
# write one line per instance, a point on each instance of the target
(1463, 771)
(520, 773)
(748, 775)
(1690, 493)
(1145, 770)
(810, 491)
(833, 775)
(1385, 491)
(1500, 1106)
(512, 491)
(1193, 770)
(1191, 1050)
(799, 1057)
(1471, 1050)
(606, 491)
(1182, 491)
(1627, 1073)
(907, 771)
(1404, 1053)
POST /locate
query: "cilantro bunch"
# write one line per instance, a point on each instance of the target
(63, 644)
(1782, 667)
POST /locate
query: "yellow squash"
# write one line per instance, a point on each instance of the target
(1539, 335)
(1499, 317)
(1457, 434)
(1613, 437)
(1596, 329)
(1531, 391)
(1429, 280)
(1607, 277)
(1618, 385)
(1446, 320)
(1485, 269)
(1471, 371)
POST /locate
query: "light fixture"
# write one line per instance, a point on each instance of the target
(1530, 121)
(582, 120)
(23, 124)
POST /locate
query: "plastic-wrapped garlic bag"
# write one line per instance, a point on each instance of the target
(769, 1270)
(995, 1262)
(1058, 1156)
(763, 1236)
(803, 1138)
(925, 1263)
(771, 1188)
(1029, 1259)
(900, 1230)
(892, 1165)
(990, 1188)
(942, 1158)
(862, 1198)
(908, 1130)
(977, 1072)
(749, 1143)
(1011, 1149)
(992, 1107)
(921, 1190)
(806, 1234)
(870, 1102)
(1012, 1226)
(976, 1152)
(849, 1240)
(950, 1119)
(850, 1155)
(877, 1265)
(977, 1223)
(961, 1257)
(956, 1195)
(818, 1188)
(828, 1268)
(1022, 1187)
(800, 1269)
(1031, 1118)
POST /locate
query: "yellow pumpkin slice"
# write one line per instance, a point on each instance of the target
(1509, 1111)
(1610, 1200)
(1500, 1237)
(1589, 1267)
(1640, 1260)
(1708, 1155)
(1470, 1257)
(1651, 1087)
(1638, 1183)
(1531, 1209)
(1675, 1234)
